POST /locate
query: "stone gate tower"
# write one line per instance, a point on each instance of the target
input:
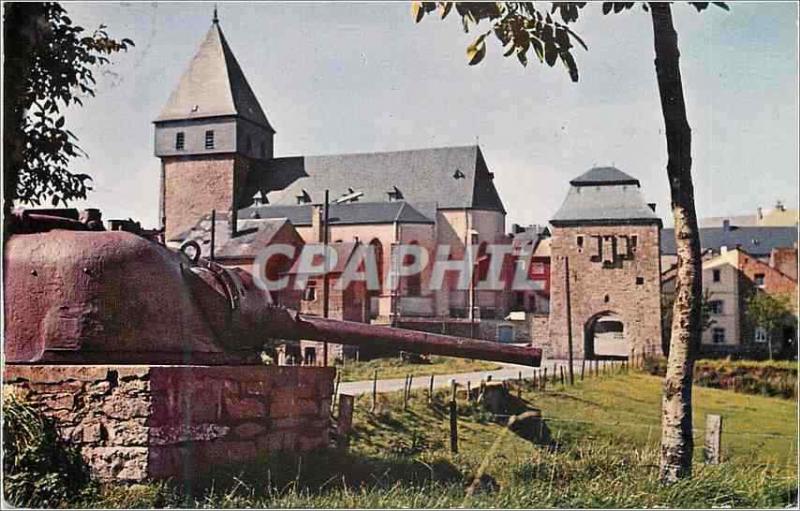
(208, 136)
(610, 236)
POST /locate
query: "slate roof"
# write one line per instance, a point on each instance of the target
(344, 251)
(213, 85)
(758, 241)
(428, 179)
(252, 235)
(604, 176)
(604, 195)
(343, 214)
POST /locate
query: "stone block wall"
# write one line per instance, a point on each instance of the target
(135, 423)
(628, 288)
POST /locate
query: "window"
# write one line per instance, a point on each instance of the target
(304, 197)
(310, 292)
(715, 307)
(761, 334)
(634, 242)
(718, 335)
(537, 268)
(180, 140)
(210, 139)
(758, 278)
(639, 281)
(715, 275)
(579, 239)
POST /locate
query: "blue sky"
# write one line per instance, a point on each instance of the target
(336, 78)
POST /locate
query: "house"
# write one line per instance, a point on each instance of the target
(729, 280)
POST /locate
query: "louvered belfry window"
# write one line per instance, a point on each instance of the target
(210, 139)
(180, 140)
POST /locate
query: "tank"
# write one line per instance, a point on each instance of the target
(77, 294)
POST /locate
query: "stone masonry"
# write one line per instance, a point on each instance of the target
(135, 423)
(625, 282)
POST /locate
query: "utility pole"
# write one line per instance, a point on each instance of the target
(325, 281)
(213, 233)
(569, 321)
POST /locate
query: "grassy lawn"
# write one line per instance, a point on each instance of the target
(394, 367)
(602, 452)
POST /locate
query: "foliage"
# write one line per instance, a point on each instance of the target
(767, 378)
(522, 26)
(395, 367)
(667, 305)
(39, 469)
(49, 65)
(604, 454)
(769, 311)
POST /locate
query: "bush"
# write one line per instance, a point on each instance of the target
(40, 469)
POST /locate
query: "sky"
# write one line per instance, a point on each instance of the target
(363, 77)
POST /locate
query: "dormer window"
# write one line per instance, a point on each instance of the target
(304, 198)
(180, 141)
(458, 174)
(210, 139)
(395, 194)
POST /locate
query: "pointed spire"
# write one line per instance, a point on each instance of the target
(215, 19)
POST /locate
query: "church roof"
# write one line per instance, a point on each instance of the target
(428, 179)
(213, 85)
(604, 195)
(600, 176)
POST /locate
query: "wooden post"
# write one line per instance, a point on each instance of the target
(410, 381)
(583, 368)
(430, 391)
(344, 422)
(555, 373)
(469, 391)
(596, 362)
(544, 378)
(713, 444)
(453, 386)
(535, 383)
(336, 390)
(405, 393)
(562, 375)
(453, 426)
(519, 386)
(374, 391)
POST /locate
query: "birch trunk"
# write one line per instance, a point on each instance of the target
(676, 427)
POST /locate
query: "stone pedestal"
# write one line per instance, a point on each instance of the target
(135, 423)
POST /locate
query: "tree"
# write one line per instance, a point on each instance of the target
(520, 26)
(668, 303)
(49, 65)
(768, 312)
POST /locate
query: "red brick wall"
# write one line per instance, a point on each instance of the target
(195, 186)
(139, 422)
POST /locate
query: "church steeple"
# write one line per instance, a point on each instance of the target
(208, 135)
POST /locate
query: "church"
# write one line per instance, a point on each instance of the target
(215, 144)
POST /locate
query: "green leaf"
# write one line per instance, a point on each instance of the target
(476, 51)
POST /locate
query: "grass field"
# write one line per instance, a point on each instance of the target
(601, 452)
(394, 367)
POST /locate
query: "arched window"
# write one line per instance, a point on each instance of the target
(413, 282)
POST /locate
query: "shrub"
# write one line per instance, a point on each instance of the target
(40, 469)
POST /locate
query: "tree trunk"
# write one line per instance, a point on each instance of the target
(676, 430)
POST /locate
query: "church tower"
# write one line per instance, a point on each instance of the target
(208, 137)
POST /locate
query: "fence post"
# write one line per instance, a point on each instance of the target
(583, 368)
(469, 391)
(535, 382)
(344, 422)
(430, 391)
(519, 386)
(562, 375)
(410, 381)
(713, 444)
(596, 372)
(544, 378)
(453, 418)
(374, 390)
(336, 391)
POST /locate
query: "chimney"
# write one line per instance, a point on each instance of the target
(316, 223)
(726, 225)
(652, 205)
